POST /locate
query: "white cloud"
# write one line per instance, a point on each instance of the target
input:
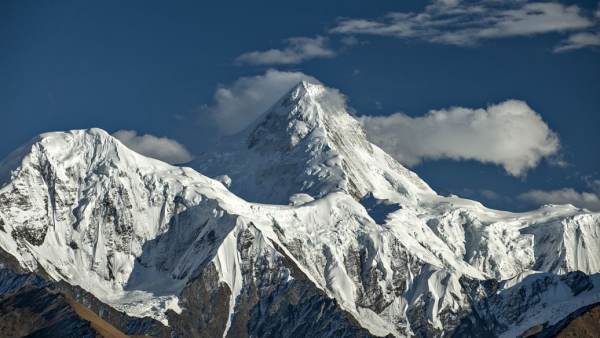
(297, 50)
(455, 23)
(586, 200)
(578, 41)
(509, 134)
(160, 148)
(240, 103)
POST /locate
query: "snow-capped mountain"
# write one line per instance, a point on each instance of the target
(351, 243)
(308, 143)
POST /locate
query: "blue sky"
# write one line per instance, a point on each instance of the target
(155, 68)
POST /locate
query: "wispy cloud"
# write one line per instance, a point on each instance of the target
(238, 104)
(509, 134)
(578, 41)
(297, 50)
(467, 23)
(161, 148)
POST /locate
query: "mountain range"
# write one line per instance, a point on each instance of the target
(301, 227)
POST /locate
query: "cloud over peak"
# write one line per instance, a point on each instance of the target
(509, 134)
(240, 103)
(297, 50)
(160, 148)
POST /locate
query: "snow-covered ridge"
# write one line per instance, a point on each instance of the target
(138, 233)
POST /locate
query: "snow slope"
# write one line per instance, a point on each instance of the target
(156, 240)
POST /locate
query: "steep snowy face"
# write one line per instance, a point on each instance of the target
(308, 143)
(81, 207)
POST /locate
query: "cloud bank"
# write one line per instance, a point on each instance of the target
(586, 200)
(509, 134)
(459, 23)
(297, 50)
(236, 106)
(160, 148)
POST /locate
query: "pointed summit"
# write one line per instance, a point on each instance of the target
(307, 142)
(307, 107)
(306, 87)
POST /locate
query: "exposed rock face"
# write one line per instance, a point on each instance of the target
(366, 248)
(36, 312)
(33, 307)
(508, 307)
(206, 307)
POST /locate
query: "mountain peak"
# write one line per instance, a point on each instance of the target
(308, 88)
(307, 109)
(92, 148)
(308, 142)
(95, 143)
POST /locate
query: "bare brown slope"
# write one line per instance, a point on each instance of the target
(32, 307)
(582, 323)
(586, 325)
(39, 312)
(101, 327)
